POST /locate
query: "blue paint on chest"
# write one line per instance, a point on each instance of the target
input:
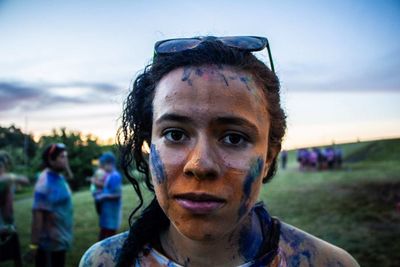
(251, 177)
(157, 165)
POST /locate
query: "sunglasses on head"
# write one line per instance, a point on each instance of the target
(244, 43)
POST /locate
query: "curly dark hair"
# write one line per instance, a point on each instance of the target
(137, 127)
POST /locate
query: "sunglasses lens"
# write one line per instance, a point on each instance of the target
(176, 45)
(244, 42)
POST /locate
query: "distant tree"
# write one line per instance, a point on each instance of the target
(13, 137)
(27, 154)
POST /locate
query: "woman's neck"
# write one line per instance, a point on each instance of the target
(241, 246)
(53, 170)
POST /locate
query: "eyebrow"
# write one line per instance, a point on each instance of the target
(219, 120)
(236, 121)
(174, 117)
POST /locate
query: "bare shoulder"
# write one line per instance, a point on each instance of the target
(303, 249)
(105, 252)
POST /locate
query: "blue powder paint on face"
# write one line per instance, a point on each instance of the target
(157, 165)
(254, 172)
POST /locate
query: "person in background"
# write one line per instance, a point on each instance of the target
(9, 240)
(52, 210)
(338, 157)
(110, 198)
(96, 186)
(330, 157)
(284, 158)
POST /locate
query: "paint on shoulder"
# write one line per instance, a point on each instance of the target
(302, 248)
(297, 246)
(104, 253)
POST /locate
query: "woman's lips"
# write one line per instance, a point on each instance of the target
(199, 203)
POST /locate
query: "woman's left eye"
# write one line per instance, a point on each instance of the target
(175, 135)
(234, 139)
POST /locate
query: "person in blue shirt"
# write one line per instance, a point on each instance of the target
(110, 197)
(52, 210)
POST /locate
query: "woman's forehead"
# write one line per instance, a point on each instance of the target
(209, 89)
(223, 79)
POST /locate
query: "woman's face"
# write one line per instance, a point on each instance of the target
(209, 148)
(60, 162)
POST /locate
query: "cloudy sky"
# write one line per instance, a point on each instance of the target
(70, 63)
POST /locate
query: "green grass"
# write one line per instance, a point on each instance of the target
(353, 208)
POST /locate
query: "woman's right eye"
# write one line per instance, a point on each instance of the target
(175, 136)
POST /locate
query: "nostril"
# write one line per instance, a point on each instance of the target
(210, 175)
(200, 174)
(189, 173)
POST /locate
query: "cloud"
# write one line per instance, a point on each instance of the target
(380, 74)
(33, 96)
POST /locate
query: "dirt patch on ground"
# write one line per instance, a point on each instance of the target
(386, 192)
(374, 206)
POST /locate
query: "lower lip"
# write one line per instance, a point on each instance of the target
(199, 207)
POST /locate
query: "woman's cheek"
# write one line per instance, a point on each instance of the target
(251, 186)
(158, 172)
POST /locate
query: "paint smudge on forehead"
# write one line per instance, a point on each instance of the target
(157, 165)
(254, 172)
(210, 73)
(246, 80)
(187, 71)
(199, 72)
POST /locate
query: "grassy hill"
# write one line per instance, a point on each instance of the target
(354, 207)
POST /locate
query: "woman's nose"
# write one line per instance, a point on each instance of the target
(202, 162)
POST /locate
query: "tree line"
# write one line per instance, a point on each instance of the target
(26, 153)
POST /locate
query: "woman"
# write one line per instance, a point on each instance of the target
(211, 112)
(52, 210)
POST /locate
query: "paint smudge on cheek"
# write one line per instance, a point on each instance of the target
(157, 165)
(254, 172)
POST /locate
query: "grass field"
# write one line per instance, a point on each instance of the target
(354, 208)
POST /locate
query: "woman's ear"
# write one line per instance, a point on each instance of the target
(273, 152)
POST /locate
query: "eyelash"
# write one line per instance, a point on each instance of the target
(242, 142)
(168, 135)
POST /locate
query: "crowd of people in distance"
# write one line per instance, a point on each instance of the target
(320, 159)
